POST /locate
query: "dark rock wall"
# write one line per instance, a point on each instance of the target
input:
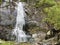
(7, 23)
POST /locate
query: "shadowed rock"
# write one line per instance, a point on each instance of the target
(7, 18)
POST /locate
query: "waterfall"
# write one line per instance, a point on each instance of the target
(20, 22)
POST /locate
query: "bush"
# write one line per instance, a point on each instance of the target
(40, 3)
(53, 15)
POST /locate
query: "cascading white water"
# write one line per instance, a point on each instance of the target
(20, 22)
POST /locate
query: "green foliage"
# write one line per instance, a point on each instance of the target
(53, 15)
(23, 0)
(2, 42)
(0, 1)
(6, 42)
(49, 3)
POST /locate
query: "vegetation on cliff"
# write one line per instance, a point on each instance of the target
(53, 15)
(0, 1)
(51, 11)
(45, 3)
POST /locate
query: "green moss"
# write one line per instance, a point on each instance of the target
(6, 42)
(0, 1)
(45, 3)
(53, 15)
(12, 43)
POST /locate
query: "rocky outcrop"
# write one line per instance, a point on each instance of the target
(6, 17)
(7, 23)
(34, 24)
(35, 16)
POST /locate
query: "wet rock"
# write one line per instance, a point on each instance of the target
(6, 18)
(7, 23)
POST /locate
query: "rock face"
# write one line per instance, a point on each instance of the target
(35, 15)
(7, 18)
(33, 20)
(7, 23)
(33, 25)
(5, 33)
